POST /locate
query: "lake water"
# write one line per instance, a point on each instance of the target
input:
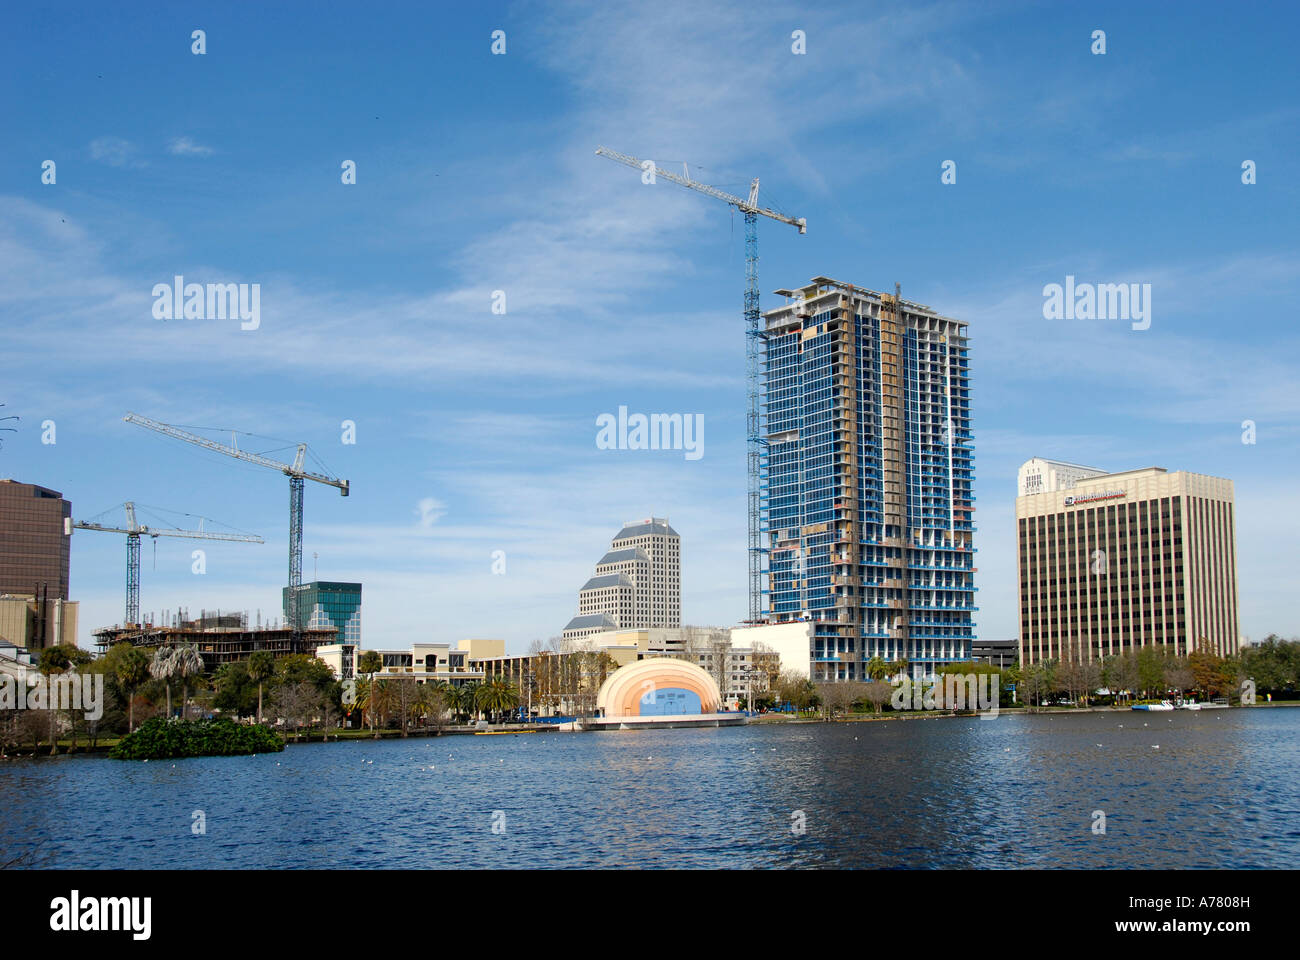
(1222, 790)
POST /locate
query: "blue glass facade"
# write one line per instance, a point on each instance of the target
(867, 499)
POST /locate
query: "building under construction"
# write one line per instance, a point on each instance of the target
(219, 638)
(869, 465)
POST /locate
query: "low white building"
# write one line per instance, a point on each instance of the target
(420, 661)
(791, 642)
(341, 658)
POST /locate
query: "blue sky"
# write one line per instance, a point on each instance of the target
(476, 172)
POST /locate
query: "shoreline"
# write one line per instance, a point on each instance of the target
(515, 730)
(105, 745)
(1014, 711)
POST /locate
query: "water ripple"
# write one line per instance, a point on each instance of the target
(1221, 791)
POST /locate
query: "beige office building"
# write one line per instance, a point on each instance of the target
(638, 583)
(35, 624)
(1114, 562)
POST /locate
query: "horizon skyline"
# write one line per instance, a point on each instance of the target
(267, 618)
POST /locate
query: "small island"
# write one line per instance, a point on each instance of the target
(163, 739)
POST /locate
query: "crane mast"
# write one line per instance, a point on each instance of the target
(754, 341)
(134, 531)
(296, 475)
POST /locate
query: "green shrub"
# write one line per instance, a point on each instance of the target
(161, 739)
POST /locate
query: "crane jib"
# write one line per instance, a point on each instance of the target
(754, 338)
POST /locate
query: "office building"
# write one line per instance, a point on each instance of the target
(439, 662)
(637, 583)
(35, 541)
(326, 604)
(866, 493)
(36, 624)
(584, 626)
(1116, 562)
(1038, 475)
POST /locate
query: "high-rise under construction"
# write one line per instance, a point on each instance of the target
(867, 503)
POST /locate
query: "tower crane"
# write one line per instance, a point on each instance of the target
(134, 531)
(296, 474)
(753, 340)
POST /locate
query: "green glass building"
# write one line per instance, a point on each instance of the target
(329, 604)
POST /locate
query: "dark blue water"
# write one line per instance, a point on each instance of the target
(1222, 790)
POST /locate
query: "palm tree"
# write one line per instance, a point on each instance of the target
(451, 697)
(54, 661)
(384, 697)
(447, 696)
(131, 668)
(496, 696)
(163, 668)
(188, 664)
(370, 663)
(261, 666)
(422, 704)
(483, 697)
(469, 702)
(467, 693)
(877, 669)
(361, 697)
(375, 698)
(505, 695)
(461, 699)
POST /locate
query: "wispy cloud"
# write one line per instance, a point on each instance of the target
(50, 274)
(185, 147)
(115, 151)
(430, 510)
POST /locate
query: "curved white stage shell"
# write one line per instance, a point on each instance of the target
(653, 687)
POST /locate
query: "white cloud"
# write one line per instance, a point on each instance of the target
(430, 511)
(114, 151)
(185, 147)
(62, 280)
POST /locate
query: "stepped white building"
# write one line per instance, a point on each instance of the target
(637, 583)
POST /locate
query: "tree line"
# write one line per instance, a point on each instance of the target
(296, 692)
(1150, 672)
